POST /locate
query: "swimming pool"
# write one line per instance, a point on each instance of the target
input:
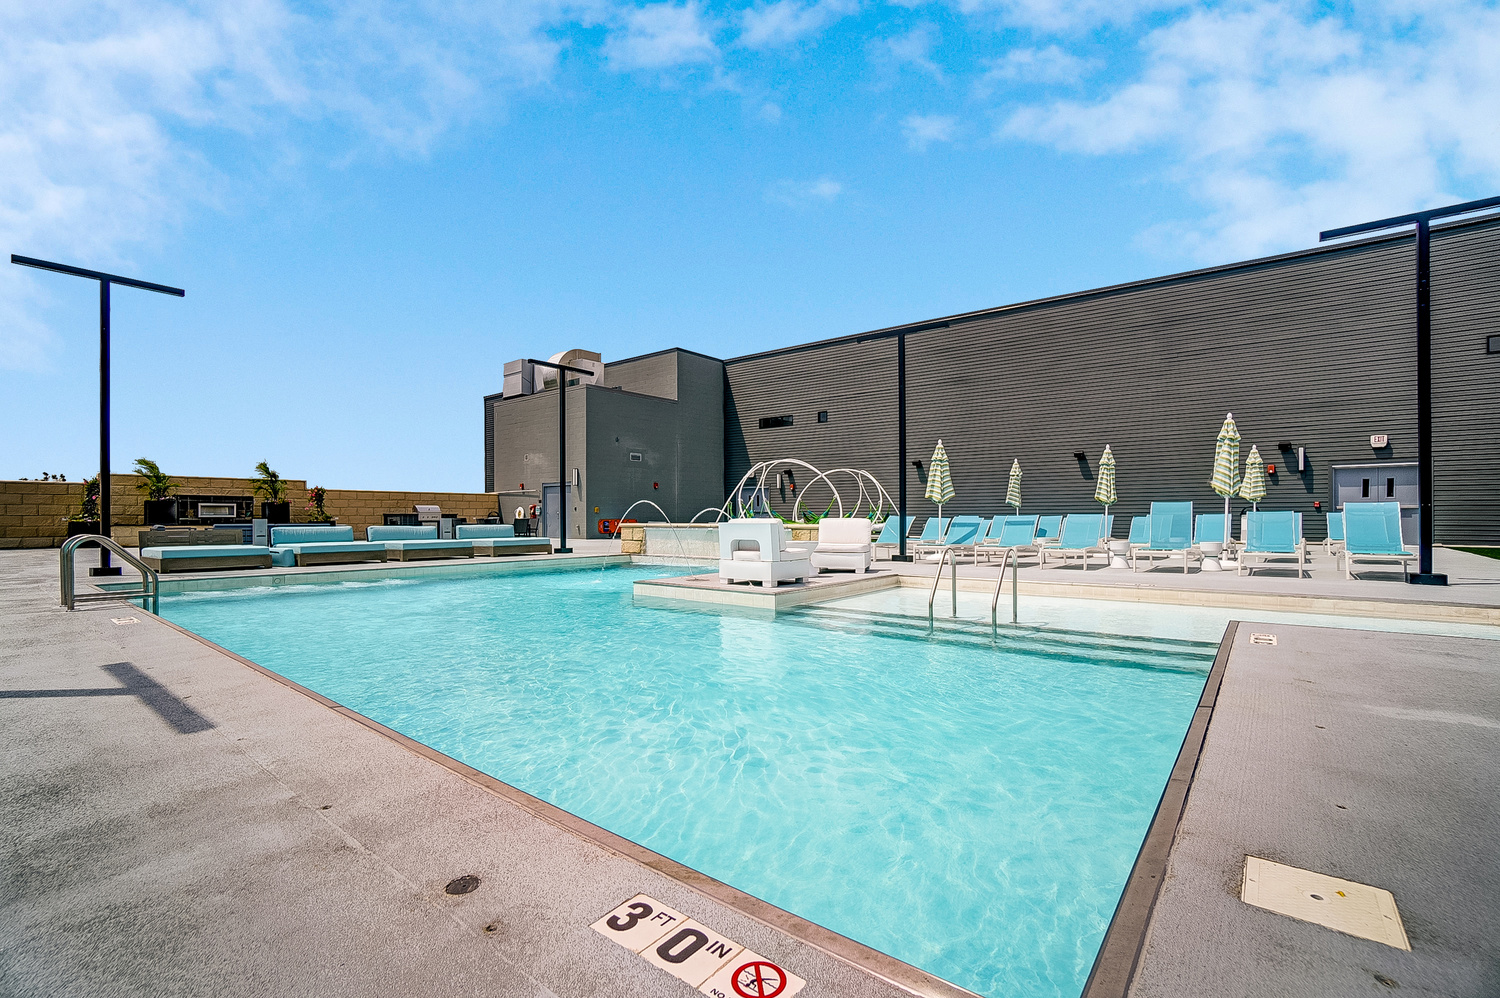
(969, 806)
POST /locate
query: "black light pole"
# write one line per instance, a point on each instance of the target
(1424, 576)
(564, 480)
(901, 554)
(105, 280)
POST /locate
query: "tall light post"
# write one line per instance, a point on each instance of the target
(564, 480)
(1424, 576)
(105, 280)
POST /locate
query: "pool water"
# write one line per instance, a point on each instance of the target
(969, 805)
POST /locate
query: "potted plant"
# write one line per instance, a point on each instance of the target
(272, 490)
(316, 497)
(86, 520)
(161, 505)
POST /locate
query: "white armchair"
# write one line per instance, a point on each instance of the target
(843, 544)
(756, 550)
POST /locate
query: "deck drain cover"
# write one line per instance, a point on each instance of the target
(124, 620)
(1262, 639)
(462, 885)
(1356, 909)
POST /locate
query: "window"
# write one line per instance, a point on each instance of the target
(775, 422)
(823, 415)
(1492, 344)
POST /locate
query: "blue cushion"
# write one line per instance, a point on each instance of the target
(401, 533)
(204, 551)
(476, 530)
(305, 534)
(509, 542)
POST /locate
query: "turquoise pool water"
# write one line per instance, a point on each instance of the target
(968, 806)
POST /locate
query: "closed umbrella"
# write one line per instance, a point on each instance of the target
(1226, 480)
(1013, 489)
(939, 480)
(1253, 488)
(1105, 491)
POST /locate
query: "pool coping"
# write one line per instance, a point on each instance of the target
(889, 969)
(1120, 953)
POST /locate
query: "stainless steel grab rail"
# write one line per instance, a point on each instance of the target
(939, 578)
(149, 591)
(1013, 558)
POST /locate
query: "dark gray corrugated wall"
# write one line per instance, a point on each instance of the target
(1316, 349)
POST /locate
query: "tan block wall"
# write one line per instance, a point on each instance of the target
(35, 514)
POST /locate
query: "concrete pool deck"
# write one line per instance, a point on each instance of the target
(175, 816)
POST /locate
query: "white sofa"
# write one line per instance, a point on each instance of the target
(843, 544)
(756, 550)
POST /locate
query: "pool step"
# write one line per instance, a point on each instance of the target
(1056, 642)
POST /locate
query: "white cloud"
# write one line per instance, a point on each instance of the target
(1284, 122)
(108, 103)
(1051, 64)
(914, 49)
(789, 21)
(804, 193)
(922, 130)
(1068, 15)
(660, 36)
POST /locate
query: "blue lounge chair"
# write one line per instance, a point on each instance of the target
(1083, 534)
(890, 532)
(304, 545)
(199, 557)
(1140, 531)
(1333, 542)
(1171, 535)
(1209, 528)
(1272, 536)
(417, 543)
(1372, 533)
(962, 532)
(499, 539)
(1017, 532)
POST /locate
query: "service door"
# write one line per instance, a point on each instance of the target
(1390, 482)
(552, 511)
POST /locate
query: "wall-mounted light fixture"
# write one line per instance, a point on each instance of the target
(822, 415)
(1080, 455)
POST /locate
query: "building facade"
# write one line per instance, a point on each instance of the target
(1313, 352)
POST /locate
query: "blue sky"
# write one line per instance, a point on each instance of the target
(374, 206)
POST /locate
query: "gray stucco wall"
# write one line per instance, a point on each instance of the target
(525, 442)
(1316, 349)
(680, 440)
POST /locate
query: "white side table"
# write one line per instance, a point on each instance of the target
(1211, 551)
(1117, 552)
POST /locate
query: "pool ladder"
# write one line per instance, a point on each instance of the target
(1009, 557)
(149, 590)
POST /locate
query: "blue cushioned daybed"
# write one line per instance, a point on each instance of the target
(499, 540)
(303, 545)
(199, 557)
(417, 544)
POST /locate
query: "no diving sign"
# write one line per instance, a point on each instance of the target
(694, 953)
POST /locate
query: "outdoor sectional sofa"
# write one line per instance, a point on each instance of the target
(417, 544)
(303, 545)
(500, 540)
(200, 557)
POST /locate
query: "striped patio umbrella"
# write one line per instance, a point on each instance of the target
(1226, 480)
(1105, 491)
(939, 480)
(1253, 488)
(1013, 489)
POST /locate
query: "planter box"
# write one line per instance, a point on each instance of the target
(276, 512)
(76, 527)
(161, 512)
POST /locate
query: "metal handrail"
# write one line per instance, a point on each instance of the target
(939, 578)
(150, 591)
(1013, 558)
